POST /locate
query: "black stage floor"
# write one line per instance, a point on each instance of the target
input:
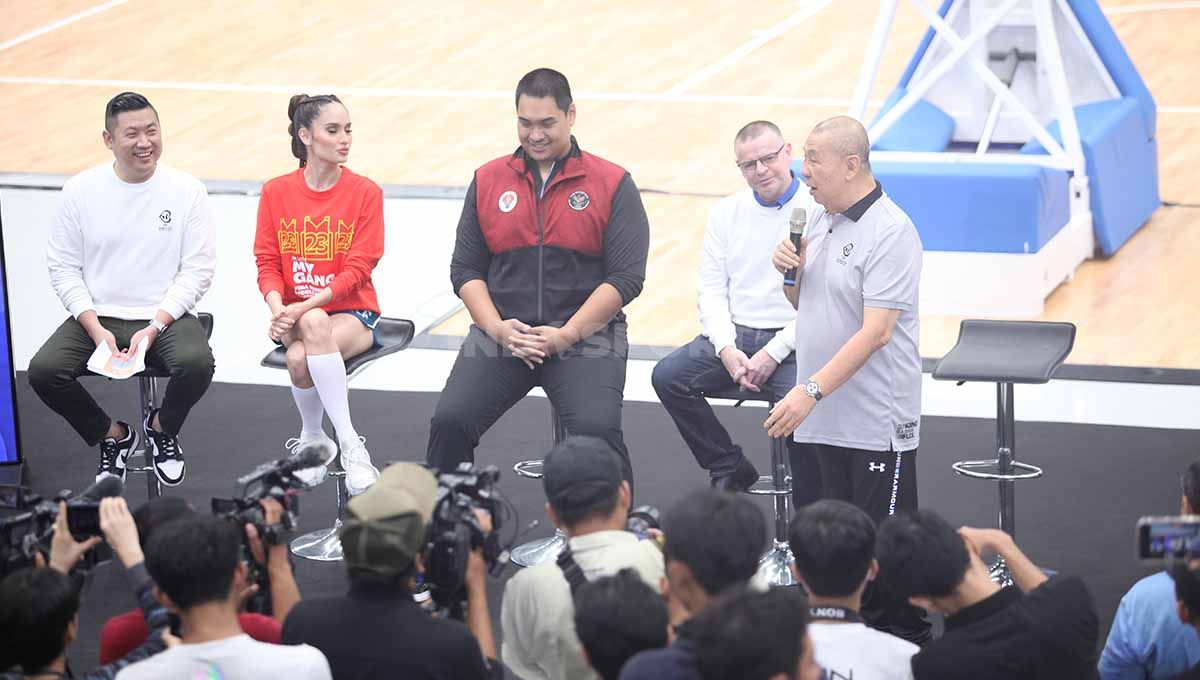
(1078, 519)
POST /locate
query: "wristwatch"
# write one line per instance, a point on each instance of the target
(813, 390)
(158, 325)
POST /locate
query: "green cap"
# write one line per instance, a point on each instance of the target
(386, 525)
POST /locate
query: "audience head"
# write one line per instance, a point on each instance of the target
(748, 635)
(545, 114)
(385, 527)
(320, 128)
(1190, 504)
(1187, 591)
(712, 541)
(921, 555)
(157, 512)
(196, 560)
(131, 131)
(38, 617)
(764, 158)
(582, 480)
(616, 617)
(837, 165)
(834, 546)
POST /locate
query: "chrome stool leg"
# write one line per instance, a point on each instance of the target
(540, 550)
(324, 545)
(147, 402)
(775, 567)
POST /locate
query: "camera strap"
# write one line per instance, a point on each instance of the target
(831, 613)
(570, 569)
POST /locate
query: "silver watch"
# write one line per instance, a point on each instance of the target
(813, 390)
(158, 325)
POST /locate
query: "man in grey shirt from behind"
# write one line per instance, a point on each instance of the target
(857, 402)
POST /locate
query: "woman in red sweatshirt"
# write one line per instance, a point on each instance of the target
(320, 233)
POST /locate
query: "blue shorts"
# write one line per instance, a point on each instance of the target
(367, 317)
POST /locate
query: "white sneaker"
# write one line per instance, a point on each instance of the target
(314, 475)
(360, 473)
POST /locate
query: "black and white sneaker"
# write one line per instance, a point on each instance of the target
(167, 454)
(114, 453)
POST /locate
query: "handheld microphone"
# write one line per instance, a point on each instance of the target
(797, 224)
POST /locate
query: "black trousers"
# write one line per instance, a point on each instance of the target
(182, 351)
(586, 383)
(882, 483)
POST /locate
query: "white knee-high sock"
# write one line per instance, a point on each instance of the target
(328, 373)
(308, 402)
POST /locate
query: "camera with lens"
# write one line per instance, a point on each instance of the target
(277, 480)
(27, 522)
(454, 531)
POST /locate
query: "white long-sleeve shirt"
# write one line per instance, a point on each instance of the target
(127, 250)
(738, 284)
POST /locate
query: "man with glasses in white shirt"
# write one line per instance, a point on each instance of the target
(748, 327)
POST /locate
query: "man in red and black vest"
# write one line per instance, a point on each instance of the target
(551, 245)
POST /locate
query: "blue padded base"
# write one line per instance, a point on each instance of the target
(924, 127)
(979, 208)
(1122, 167)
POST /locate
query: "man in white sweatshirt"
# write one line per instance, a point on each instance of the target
(748, 330)
(131, 252)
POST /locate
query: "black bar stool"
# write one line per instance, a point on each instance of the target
(147, 402)
(540, 550)
(775, 567)
(1006, 353)
(393, 335)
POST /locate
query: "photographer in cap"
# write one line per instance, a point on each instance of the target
(39, 606)
(588, 499)
(376, 630)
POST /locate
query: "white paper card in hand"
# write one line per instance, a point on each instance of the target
(102, 361)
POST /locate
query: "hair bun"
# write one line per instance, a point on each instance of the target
(293, 103)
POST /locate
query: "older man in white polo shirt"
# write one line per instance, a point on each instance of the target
(748, 328)
(857, 402)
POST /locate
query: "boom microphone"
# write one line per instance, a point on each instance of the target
(109, 487)
(796, 223)
(310, 455)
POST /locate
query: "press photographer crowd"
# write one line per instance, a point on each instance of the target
(675, 598)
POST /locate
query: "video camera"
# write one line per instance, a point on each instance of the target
(275, 480)
(28, 525)
(454, 531)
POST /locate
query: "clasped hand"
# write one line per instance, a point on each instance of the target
(532, 344)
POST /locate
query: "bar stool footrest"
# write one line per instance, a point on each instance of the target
(990, 469)
(765, 486)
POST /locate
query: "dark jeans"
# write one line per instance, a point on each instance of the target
(882, 483)
(182, 351)
(685, 375)
(586, 383)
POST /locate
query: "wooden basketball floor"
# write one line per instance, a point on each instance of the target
(660, 88)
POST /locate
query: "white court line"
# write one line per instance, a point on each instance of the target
(1152, 7)
(60, 23)
(760, 39)
(412, 93)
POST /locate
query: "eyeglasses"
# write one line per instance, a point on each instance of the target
(748, 167)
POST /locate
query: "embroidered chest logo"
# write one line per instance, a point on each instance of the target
(316, 239)
(578, 200)
(165, 218)
(847, 249)
(508, 201)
